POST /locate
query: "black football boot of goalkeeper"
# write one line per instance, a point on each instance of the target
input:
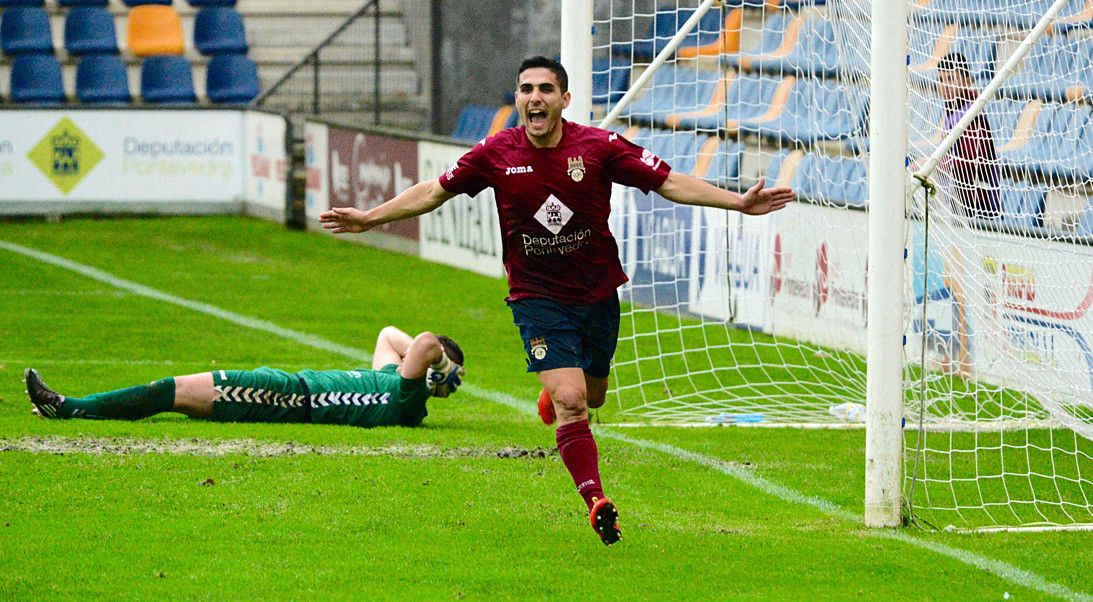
(605, 521)
(46, 401)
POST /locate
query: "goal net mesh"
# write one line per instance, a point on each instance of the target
(732, 319)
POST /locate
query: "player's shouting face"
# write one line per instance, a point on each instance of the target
(540, 98)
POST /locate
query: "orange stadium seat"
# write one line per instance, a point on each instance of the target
(727, 42)
(155, 30)
(501, 119)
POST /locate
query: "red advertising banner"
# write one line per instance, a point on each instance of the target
(366, 170)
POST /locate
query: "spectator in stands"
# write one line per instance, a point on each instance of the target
(970, 168)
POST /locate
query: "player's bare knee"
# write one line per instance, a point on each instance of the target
(570, 400)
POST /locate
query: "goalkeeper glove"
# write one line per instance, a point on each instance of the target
(444, 377)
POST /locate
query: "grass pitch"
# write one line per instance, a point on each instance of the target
(179, 508)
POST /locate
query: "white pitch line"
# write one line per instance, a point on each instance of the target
(1004, 570)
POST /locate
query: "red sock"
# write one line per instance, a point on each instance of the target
(581, 458)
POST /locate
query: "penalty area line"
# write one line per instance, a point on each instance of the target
(1003, 570)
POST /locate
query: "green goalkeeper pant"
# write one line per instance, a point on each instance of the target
(260, 395)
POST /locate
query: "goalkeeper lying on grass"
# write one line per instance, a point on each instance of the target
(405, 373)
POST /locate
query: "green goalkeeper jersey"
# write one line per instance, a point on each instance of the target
(365, 397)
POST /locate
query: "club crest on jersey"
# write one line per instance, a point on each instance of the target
(576, 168)
(538, 348)
(553, 214)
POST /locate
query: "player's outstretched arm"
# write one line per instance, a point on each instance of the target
(758, 200)
(420, 198)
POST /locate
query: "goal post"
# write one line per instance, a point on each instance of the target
(576, 53)
(884, 327)
(950, 321)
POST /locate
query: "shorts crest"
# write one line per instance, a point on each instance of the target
(538, 348)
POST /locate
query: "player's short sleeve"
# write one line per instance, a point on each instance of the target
(470, 174)
(412, 395)
(631, 165)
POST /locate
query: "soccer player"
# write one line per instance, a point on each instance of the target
(405, 373)
(553, 180)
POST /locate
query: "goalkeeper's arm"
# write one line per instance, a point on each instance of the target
(426, 358)
(420, 198)
(687, 190)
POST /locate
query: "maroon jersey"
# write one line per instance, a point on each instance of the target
(972, 163)
(553, 205)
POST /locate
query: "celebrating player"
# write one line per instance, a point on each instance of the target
(552, 180)
(405, 373)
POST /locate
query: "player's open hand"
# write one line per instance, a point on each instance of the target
(344, 219)
(761, 201)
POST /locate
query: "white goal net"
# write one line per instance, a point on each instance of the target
(731, 319)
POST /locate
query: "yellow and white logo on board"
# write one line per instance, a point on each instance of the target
(65, 155)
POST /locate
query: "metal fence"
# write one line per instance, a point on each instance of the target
(414, 64)
(363, 72)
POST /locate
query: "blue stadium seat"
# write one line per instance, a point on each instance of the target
(71, 3)
(167, 79)
(1054, 68)
(10, 3)
(853, 33)
(774, 29)
(1022, 204)
(132, 3)
(774, 168)
(923, 41)
(815, 53)
(1019, 14)
(833, 180)
(473, 123)
(36, 78)
(90, 30)
(815, 110)
(25, 30)
(610, 80)
(513, 120)
(837, 179)
(1003, 114)
(725, 164)
(1058, 145)
(750, 96)
(102, 78)
(676, 90)
(665, 25)
(850, 183)
(679, 149)
(232, 78)
(219, 30)
(204, 3)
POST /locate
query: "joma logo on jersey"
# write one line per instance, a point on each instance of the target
(521, 169)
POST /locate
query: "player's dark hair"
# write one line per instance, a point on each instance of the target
(955, 62)
(543, 62)
(451, 349)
